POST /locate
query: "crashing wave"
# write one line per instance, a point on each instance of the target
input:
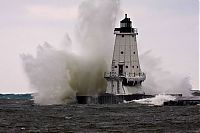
(158, 100)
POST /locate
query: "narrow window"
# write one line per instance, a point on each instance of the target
(137, 66)
(133, 52)
(122, 52)
(126, 66)
(122, 35)
(115, 66)
(133, 66)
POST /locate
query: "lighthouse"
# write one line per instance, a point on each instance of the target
(124, 81)
(126, 76)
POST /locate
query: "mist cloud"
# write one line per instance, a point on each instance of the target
(58, 75)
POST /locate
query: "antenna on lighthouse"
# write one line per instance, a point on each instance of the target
(125, 15)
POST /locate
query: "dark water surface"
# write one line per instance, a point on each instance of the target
(24, 116)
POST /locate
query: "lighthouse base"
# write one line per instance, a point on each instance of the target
(109, 98)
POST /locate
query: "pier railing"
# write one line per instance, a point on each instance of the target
(133, 76)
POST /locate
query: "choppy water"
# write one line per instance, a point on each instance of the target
(22, 115)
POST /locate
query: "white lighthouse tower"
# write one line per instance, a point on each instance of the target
(126, 76)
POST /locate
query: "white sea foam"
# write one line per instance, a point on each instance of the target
(157, 100)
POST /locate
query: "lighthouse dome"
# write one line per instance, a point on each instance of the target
(126, 26)
(126, 22)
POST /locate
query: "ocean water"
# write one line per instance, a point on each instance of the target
(20, 114)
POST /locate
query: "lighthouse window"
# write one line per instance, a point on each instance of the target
(122, 35)
(115, 66)
(122, 52)
(133, 66)
(133, 52)
(126, 66)
(137, 66)
(132, 35)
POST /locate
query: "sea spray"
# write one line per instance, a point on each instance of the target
(157, 100)
(86, 76)
(59, 75)
(94, 34)
(49, 75)
(159, 80)
(94, 30)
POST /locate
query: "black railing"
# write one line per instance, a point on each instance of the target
(114, 74)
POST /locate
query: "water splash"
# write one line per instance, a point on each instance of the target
(159, 80)
(59, 75)
(49, 75)
(157, 100)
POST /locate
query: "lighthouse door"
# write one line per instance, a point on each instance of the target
(120, 69)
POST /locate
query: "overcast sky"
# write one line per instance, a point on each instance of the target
(169, 28)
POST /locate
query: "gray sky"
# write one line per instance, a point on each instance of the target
(169, 28)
